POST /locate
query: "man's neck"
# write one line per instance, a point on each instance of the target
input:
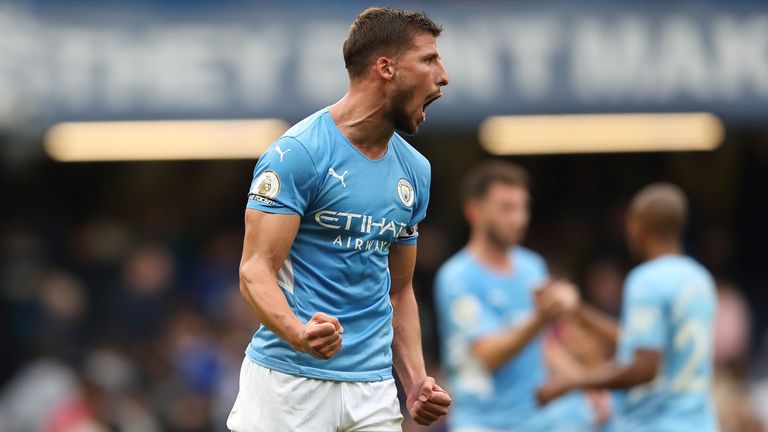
(489, 253)
(364, 121)
(658, 248)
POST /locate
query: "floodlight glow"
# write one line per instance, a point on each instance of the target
(161, 140)
(600, 133)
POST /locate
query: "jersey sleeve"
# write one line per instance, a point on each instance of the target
(285, 179)
(410, 233)
(643, 317)
(462, 311)
(540, 272)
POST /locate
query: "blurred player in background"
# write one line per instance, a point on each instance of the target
(330, 247)
(493, 302)
(665, 343)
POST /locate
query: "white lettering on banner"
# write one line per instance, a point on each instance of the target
(532, 44)
(320, 68)
(184, 62)
(74, 62)
(472, 59)
(742, 50)
(25, 85)
(257, 63)
(58, 68)
(684, 68)
(608, 62)
(120, 76)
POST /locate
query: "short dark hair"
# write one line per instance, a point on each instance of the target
(662, 208)
(382, 30)
(480, 178)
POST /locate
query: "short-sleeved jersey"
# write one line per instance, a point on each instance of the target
(669, 306)
(474, 301)
(352, 210)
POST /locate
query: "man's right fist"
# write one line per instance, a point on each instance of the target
(555, 299)
(320, 337)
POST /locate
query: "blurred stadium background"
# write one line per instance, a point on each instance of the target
(120, 242)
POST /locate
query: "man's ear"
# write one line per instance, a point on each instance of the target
(471, 211)
(385, 68)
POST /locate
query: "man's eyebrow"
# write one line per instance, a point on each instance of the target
(430, 56)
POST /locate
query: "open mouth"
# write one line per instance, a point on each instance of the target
(429, 101)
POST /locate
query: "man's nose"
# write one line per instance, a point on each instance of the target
(442, 75)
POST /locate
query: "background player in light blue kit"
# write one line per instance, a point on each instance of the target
(491, 314)
(665, 342)
(330, 247)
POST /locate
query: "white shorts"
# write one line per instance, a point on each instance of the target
(271, 401)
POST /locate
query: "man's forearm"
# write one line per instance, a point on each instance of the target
(495, 350)
(259, 288)
(613, 377)
(600, 323)
(408, 358)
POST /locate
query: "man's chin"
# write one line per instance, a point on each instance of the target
(409, 130)
(504, 242)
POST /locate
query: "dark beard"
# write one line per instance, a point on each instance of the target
(400, 118)
(497, 240)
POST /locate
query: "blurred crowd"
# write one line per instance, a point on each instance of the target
(101, 331)
(109, 333)
(120, 308)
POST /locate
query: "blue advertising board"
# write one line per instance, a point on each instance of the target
(205, 61)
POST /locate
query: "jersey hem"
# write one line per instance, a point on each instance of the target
(315, 373)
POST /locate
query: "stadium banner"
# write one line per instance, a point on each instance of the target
(85, 63)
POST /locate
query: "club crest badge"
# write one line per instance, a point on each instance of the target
(405, 192)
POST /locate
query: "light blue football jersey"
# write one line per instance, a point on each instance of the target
(669, 306)
(474, 301)
(353, 210)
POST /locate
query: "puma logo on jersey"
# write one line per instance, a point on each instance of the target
(281, 152)
(333, 173)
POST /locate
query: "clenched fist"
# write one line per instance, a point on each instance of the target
(426, 401)
(555, 299)
(320, 337)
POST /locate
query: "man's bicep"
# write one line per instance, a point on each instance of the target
(269, 237)
(401, 261)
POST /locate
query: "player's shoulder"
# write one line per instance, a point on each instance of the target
(527, 258)
(665, 266)
(410, 155)
(311, 133)
(667, 274)
(306, 126)
(453, 269)
(644, 274)
(699, 270)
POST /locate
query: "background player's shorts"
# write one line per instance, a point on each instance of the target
(270, 401)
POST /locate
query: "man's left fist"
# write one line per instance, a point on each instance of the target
(427, 402)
